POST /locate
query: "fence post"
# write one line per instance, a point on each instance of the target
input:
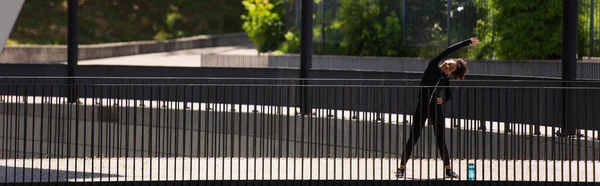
(306, 52)
(569, 64)
(73, 48)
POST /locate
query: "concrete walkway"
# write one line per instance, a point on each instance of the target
(181, 58)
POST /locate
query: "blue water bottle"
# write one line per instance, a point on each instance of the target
(471, 171)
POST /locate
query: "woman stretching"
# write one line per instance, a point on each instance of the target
(436, 75)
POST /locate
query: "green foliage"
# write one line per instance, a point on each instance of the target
(102, 21)
(364, 34)
(484, 31)
(291, 43)
(391, 37)
(264, 24)
(524, 29)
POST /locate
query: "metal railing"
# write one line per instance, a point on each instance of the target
(201, 130)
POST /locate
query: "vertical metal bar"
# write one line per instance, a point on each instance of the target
(587, 130)
(150, 126)
(42, 139)
(301, 141)
(554, 147)
(288, 115)
(61, 128)
(159, 128)
(499, 133)
(255, 111)
(135, 127)
(111, 128)
(491, 132)
(596, 136)
(184, 130)
(253, 132)
(351, 155)
(199, 130)
(121, 123)
(260, 129)
(399, 122)
(342, 122)
(240, 121)
(77, 140)
(233, 127)
(92, 141)
(25, 114)
(390, 111)
(359, 129)
(5, 122)
(271, 136)
(547, 121)
(538, 125)
(15, 131)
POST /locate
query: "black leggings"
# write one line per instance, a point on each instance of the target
(434, 113)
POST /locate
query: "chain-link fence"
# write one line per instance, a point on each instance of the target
(590, 22)
(428, 23)
(424, 22)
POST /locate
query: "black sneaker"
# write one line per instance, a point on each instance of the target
(400, 173)
(450, 174)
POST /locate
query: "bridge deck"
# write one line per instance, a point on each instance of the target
(186, 168)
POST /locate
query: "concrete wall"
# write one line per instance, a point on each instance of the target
(43, 54)
(530, 68)
(58, 130)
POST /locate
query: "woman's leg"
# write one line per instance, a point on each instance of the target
(419, 118)
(439, 128)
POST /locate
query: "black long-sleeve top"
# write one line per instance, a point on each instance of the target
(433, 75)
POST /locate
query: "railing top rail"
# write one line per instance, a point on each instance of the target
(281, 79)
(294, 85)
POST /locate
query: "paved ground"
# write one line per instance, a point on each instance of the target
(185, 168)
(181, 58)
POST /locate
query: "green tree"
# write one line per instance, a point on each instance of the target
(363, 32)
(264, 24)
(102, 21)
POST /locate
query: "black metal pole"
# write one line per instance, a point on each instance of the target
(591, 52)
(323, 8)
(306, 36)
(72, 50)
(569, 62)
(403, 20)
(448, 11)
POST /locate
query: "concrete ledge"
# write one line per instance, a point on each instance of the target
(587, 69)
(43, 54)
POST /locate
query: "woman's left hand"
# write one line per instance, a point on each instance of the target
(474, 41)
(440, 101)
